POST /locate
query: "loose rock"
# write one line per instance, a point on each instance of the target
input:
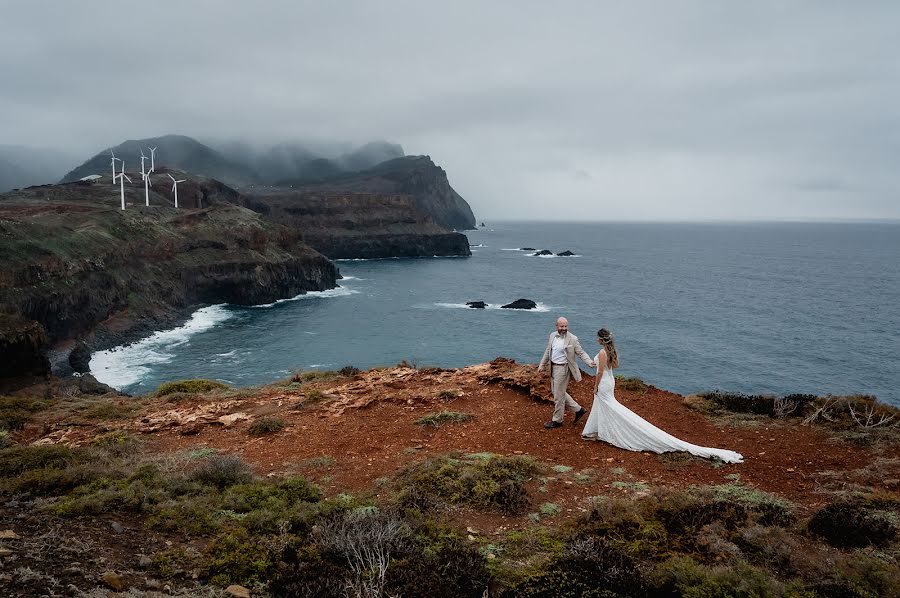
(113, 580)
(237, 591)
(520, 304)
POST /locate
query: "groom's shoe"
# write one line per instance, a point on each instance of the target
(552, 424)
(579, 415)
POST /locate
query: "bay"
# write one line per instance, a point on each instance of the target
(755, 308)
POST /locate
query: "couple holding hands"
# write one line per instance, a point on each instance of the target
(609, 420)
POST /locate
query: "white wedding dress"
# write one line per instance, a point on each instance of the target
(618, 425)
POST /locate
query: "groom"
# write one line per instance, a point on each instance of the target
(560, 352)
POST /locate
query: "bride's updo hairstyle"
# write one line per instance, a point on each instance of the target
(609, 343)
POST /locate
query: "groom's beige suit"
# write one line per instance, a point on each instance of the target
(560, 373)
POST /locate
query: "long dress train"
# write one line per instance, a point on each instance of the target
(618, 425)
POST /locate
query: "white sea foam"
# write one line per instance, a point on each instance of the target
(335, 292)
(553, 255)
(479, 245)
(126, 365)
(351, 278)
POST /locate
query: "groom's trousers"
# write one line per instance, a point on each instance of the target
(561, 399)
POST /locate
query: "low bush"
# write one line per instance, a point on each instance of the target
(267, 425)
(349, 371)
(635, 385)
(189, 515)
(15, 412)
(848, 524)
(496, 483)
(438, 566)
(243, 498)
(436, 420)
(683, 576)
(239, 557)
(589, 567)
(189, 386)
(222, 471)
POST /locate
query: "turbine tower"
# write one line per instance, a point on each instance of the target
(152, 159)
(147, 185)
(121, 176)
(143, 157)
(175, 187)
(113, 164)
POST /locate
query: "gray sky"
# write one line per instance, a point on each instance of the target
(666, 110)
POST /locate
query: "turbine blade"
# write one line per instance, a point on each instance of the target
(173, 187)
(181, 181)
(127, 177)
(170, 176)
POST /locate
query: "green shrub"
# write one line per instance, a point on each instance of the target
(446, 567)
(190, 515)
(222, 471)
(243, 498)
(15, 412)
(588, 567)
(635, 385)
(849, 524)
(682, 576)
(239, 558)
(349, 371)
(305, 571)
(496, 483)
(189, 386)
(436, 420)
(447, 395)
(267, 425)
(174, 562)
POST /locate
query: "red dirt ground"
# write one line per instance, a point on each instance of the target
(346, 433)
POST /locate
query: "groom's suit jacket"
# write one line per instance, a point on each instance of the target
(572, 348)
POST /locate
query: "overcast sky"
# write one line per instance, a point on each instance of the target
(665, 110)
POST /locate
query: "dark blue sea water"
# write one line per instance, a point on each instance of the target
(755, 308)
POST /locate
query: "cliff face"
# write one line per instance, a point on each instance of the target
(23, 348)
(359, 225)
(78, 265)
(416, 176)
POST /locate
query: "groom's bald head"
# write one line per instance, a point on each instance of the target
(562, 325)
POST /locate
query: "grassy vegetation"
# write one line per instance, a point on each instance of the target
(15, 412)
(436, 420)
(267, 425)
(496, 483)
(635, 385)
(283, 538)
(189, 386)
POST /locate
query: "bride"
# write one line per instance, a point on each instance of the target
(616, 424)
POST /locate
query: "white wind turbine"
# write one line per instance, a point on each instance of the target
(113, 164)
(152, 159)
(147, 185)
(175, 187)
(143, 157)
(122, 176)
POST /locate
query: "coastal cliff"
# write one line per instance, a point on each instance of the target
(359, 225)
(416, 176)
(78, 266)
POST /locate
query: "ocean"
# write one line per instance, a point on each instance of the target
(755, 308)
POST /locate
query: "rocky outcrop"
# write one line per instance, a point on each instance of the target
(476, 304)
(23, 348)
(416, 176)
(520, 304)
(358, 225)
(80, 268)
